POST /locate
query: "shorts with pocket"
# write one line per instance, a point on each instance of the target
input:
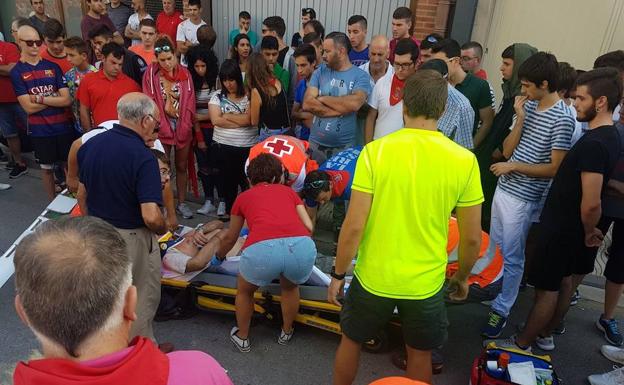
(52, 149)
(423, 321)
(12, 119)
(264, 261)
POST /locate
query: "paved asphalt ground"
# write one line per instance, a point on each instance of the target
(309, 358)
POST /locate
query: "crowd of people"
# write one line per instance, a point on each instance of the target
(407, 133)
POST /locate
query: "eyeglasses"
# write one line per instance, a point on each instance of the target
(164, 172)
(156, 123)
(164, 48)
(403, 66)
(31, 43)
(467, 58)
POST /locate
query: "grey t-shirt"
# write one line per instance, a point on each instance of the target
(119, 16)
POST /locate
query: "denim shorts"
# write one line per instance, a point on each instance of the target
(264, 261)
(12, 118)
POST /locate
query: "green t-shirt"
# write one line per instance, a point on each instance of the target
(253, 37)
(417, 177)
(477, 91)
(282, 75)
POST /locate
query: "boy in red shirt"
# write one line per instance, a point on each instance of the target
(100, 91)
(54, 50)
(168, 20)
(147, 30)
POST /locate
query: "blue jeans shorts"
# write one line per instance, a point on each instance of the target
(12, 118)
(291, 257)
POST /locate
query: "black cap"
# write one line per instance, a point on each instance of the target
(437, 65)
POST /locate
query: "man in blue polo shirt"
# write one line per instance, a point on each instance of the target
(42, 92)
(120, 183)
(331, 182)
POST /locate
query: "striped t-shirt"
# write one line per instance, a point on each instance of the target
(542, 132)
(238, 137)
(46, 79)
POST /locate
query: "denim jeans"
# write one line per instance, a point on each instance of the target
(511, 220)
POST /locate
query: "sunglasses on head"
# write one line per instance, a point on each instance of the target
(432, 39)
(31, 43)
(306, 10)
(315, 184)
(164, 48)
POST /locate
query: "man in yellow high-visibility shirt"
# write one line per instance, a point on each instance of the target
(405, 187)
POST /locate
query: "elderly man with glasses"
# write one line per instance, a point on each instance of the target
(120, 183)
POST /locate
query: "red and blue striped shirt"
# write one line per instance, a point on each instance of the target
(45, 78)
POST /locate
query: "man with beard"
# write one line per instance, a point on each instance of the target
(569, 222)
(336, 92)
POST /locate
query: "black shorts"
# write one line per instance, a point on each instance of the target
(558, 255)
(52, 149)
(424, 322)
(614, 270)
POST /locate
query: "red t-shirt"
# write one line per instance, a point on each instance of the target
(340, 181)
(481, 74)
(62, 62)
(270, 211)
(168, 24)
(8, 54)
(101, 95)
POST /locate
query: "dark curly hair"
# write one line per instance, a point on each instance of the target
(198, 52)
(265, 168)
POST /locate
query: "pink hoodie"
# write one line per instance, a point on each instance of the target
(183, 134)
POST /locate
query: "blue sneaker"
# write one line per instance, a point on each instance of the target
(495, 325)
(611, 331)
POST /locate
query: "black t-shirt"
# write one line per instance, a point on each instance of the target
(134, 66)
(282, 56)
(274, 113)
(596, 152)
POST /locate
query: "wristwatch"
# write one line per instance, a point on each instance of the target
(339, 277)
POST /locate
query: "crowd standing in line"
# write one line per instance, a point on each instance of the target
(542, 171)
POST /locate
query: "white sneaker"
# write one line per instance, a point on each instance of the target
(221, 209)
(184, 210)
(613, 353)
(207, 208)
(284, 337)
(4, 186)
(615, 377)
(242, 344)
(545, 343)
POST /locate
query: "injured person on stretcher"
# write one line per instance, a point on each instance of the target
(193, 252)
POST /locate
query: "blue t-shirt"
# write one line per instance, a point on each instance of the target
(45, 78)
(338, 131)
(343, 163)
(119, 173)
(302, 86)
(359, 58)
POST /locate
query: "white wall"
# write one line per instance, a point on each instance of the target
(576, 31)
(333, 15)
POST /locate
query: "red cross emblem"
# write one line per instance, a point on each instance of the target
(279, 147)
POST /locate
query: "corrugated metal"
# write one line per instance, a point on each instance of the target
(333, 15)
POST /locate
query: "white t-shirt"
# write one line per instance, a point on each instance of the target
(389, 118)
(107, 125)
(188, 31)
(366, 68)
(238, 137)
(133, 22)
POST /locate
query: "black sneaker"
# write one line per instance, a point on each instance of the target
(10, 165)
(18, 170)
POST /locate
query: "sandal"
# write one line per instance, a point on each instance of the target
(242, 344)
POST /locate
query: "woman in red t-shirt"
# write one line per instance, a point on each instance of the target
(278, 246)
